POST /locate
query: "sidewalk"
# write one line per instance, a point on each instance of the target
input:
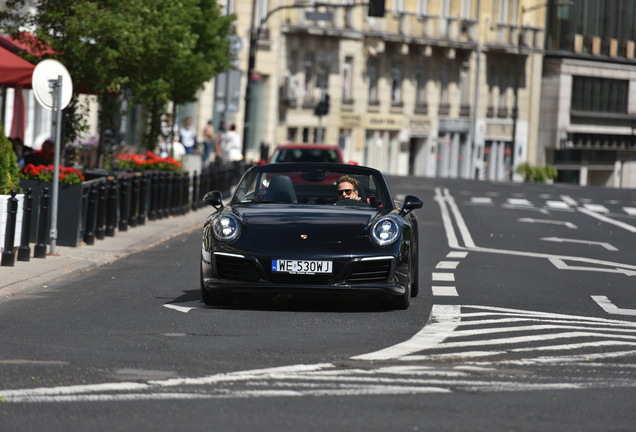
(39, 272)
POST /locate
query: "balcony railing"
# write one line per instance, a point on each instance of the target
(403, 24)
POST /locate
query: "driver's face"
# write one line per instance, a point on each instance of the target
(346, 190)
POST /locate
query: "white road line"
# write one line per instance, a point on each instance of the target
(630, 210)
(562, 265)
(445, 277)
(562, 205)
(587, 242)
(444, 291)
(598, 208)
(610, 308)
(444, 320)
(481, 200)
(519, 202)
(184, 307)
(461, 224)
(447, 265)
(548, 221)
(571, 202)
(453, 242)
(457, 254)
(608, 220)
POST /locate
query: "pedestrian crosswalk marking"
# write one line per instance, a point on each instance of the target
(481, 200)
(598, 208)
(519, 202)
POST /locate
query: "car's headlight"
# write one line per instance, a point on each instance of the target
(226, 228)
(385, 231)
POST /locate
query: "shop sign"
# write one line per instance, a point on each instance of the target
(454, 125)
(383, 122)
(350, 121)
(420, 127)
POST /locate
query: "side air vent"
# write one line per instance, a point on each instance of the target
(236, 268)
(370, 271)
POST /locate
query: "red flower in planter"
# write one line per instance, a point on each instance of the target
(149, 161)
(68, 175)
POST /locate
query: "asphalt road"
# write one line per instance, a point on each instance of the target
(526, 321)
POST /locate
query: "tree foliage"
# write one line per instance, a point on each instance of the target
(147, 52)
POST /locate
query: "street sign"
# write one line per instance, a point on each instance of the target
(236, 44)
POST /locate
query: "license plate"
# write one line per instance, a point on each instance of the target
(301, 266)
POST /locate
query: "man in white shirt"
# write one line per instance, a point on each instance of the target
(232, 145)
(188, 135)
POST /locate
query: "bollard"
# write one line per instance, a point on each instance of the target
(154, 196)
(111, 207)
(124, 204)
(39, 251)
(176, 194)
(8, 255)
(185, 194)
(91, 216)
(133, 214)
(164, 190)
(100, 224)
(24, 251)
(195, 191)
(143, 200)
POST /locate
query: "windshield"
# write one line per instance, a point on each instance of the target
(310, 185)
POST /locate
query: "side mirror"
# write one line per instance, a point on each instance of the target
(213, 198)
(411, 202)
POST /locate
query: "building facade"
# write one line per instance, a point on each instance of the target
(429, 89)
(588, 109)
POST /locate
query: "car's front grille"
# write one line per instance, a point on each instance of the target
(236, 268)
(370, 271)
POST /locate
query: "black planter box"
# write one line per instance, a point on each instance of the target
(72, 209)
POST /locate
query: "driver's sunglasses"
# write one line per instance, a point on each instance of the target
(346, 191)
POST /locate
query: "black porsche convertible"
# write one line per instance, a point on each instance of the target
(285, 231)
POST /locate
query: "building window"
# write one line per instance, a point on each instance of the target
(372, 73)
(502, 105)
(308, 72)
(422, 7)
(347, 80)
(464, 97)
(396, 84)
(444, 105)
(398, 7)
(260, 11)
(227, 7)
(601, 95)
(420, 89)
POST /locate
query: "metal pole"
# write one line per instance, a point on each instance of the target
(515, 107)
(248, 87)
(57, 84)
(473, 121)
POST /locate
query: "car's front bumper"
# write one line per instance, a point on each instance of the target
(236, 273)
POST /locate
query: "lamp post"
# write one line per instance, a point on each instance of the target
(515, 108)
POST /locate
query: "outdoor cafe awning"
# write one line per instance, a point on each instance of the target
(14, 70)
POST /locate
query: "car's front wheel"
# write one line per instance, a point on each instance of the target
(403, 301)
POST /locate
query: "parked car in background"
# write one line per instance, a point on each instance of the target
(307, 153)
(286, 231)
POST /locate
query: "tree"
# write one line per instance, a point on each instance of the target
(9, 171)
(141, 51)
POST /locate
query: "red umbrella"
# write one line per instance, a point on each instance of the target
(14, 70)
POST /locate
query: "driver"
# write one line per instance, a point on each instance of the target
(347, 188)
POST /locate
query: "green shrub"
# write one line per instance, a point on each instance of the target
(540, 174)
(9, 171)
